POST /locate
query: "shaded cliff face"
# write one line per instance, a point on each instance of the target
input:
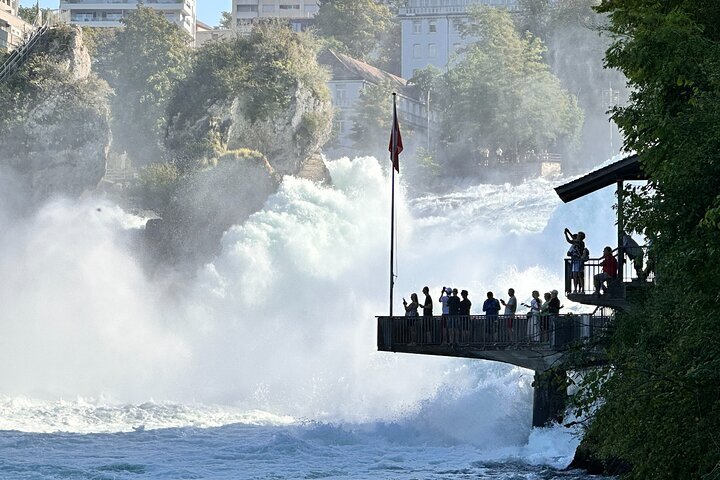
(206, 203)
(54, 128)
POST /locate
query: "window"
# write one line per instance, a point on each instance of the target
(432, 26)
(340, 94)
(432, 50)
(417, 26)
(294, 6)
(416, 51)
(268, 8)
(247, 8)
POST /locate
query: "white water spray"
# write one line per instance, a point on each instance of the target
(283, 319)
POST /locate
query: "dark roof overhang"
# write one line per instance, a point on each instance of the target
(626, 169)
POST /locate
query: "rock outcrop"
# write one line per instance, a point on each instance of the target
(55, 125)
(207, 203)
(287, 139)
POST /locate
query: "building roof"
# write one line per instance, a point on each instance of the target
(343, 67)
(202, 26)
(628, 168)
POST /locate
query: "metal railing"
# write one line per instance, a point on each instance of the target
(638, 267)
(490, 332)
(20, 55)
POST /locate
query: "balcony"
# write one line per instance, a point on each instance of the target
(536, 342)
(634, 273)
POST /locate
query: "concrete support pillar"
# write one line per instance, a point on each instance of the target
(549, 396)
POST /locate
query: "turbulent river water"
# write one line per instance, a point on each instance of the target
(265, 365)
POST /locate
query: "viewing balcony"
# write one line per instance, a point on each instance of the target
(536, 342)
(633, 274)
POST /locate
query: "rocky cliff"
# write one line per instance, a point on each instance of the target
(54, 123)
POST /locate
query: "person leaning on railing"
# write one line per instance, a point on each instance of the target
(610, 269)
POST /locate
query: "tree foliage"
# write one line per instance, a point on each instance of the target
(373, 119)
(143, 62)
(263, 73)
(573, 33)
(226, 20)
(360, 26)
(502, 94)
(661, 397)
(35, 15)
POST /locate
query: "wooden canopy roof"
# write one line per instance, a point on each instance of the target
(626, 169)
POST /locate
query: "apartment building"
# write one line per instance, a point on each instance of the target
(348, 77)
(108, 13)
(431, 31)
(12, 28)
(299, 13)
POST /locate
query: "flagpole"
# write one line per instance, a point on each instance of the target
(392, 205)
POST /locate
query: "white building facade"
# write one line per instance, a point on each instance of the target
(299, 13)
(348, 78)
(12, 28)
(108, 13)
(431, 31)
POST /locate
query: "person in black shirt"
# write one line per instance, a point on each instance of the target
(453, 311)
(554, 305)
(428, 305)
(465, 305)
(427, 315)
(554, 310)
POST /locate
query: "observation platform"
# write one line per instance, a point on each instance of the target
(537, 342)
(617, 290)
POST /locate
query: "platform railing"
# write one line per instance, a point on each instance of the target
(639, 268)
(489, 332)
(20, 55)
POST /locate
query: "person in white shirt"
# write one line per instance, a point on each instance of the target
(444, 296)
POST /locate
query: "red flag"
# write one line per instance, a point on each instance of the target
(396, 145)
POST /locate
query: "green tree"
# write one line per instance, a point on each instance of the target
(226, 20)
(143, 63)
(573, 33)
(373, 119)
(660, 397)
(359, 25)
(502, 94)
(260, 78)
(35, 15)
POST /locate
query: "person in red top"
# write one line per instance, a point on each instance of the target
(610, 269)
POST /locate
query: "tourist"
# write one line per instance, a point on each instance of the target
(554, 311)
(533, 328)
(428, 305)
(577, 263)
(453, 311)
(427, 314)
(610, 270)
(411, 310)
(634, 252)
(444, 297)
(545, 316)
(465, 305)
(491, 307)
(510, 309)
